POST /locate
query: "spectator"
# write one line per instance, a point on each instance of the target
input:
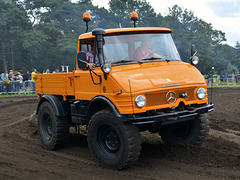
(235, 74)
(11, 75)
(47, 71)
(56, 70)
(33, 80)
(26, 78)
(19, 81)
(12, 82)
(4, 78)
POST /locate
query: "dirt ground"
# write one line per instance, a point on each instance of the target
(22, 156)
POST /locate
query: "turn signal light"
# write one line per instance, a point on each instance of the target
(117, 91)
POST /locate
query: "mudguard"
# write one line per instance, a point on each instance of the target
(60, 108)
(106, 101)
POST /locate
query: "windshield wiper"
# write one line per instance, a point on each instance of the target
(153, 58)
(122, 61)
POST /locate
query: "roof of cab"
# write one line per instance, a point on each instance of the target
(127, 30)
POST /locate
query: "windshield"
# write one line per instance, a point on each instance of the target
(140, 47)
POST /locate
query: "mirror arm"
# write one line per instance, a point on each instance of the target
(193, 55)
(100, 78)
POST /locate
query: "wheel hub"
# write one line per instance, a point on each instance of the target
(47, 126)
(109, 140)
(112, 141)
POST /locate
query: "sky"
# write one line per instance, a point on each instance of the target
(224, 15)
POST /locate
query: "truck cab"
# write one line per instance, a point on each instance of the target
(139, 83)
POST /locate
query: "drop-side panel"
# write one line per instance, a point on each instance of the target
(56, 84)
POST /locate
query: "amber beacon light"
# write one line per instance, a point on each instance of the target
(86, 18)
(134, 18)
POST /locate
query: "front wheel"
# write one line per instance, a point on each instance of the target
(115, 145)
(190, 132)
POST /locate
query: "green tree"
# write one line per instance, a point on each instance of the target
(122, 10)
(13, 23)
(187, 30)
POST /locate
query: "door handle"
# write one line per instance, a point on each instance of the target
(76, 76)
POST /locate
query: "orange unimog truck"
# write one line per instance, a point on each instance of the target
(124, 95)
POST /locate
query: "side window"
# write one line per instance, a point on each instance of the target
(86, 47)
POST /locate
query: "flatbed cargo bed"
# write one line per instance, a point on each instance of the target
(55, 84)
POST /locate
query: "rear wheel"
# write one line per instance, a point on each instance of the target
(190, 132)
(115, 145)
(53, 130)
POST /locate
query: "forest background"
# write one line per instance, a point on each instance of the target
(43, 33)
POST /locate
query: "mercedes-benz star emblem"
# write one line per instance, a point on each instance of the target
(171, 97)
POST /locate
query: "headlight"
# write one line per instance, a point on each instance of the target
(140, 101)
(194, 60)
(106, 68)
(201, 93)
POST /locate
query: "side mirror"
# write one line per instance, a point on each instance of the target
(193, 50)
(82, 59)
(194, 60)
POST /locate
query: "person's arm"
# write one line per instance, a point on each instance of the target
(90, 66)
(5, 80)
(10, 78)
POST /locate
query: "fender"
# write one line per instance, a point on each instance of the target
(60, 108)
(106, 101)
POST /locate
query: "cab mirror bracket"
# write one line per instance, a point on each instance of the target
(193, 50)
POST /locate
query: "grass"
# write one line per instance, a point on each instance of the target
(225, 86)
(15, 95)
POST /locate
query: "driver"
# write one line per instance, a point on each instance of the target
(144, 50)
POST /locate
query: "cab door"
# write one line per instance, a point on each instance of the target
(86, 82)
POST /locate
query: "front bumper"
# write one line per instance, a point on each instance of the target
(170, 118)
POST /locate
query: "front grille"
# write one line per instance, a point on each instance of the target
(159, 98)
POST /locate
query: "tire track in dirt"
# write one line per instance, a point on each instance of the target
(71, 153)
(27, 137)
(230, 135)
(8, 103)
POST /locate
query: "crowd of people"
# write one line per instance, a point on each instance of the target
(11, 83)
(14, 82)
